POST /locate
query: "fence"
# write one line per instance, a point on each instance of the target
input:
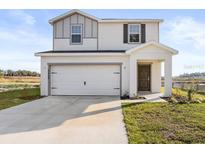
(185, 84)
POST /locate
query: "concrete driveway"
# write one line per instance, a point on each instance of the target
(64, 119)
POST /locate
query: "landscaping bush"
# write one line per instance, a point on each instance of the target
(191, 90)
(180, 96)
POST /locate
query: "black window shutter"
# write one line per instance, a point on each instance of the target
(125, 33)
(143, 33)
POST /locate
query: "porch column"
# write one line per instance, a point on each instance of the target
(133, 76)
(168, 76)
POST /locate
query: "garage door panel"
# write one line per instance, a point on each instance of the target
(85, 80)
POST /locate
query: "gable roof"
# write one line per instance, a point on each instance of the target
(71, 12)
(81, 52)
(158, 45)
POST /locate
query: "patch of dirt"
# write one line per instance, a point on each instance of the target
(133, 98)
(29, 97)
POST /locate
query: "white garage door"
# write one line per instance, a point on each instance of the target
(85, 80)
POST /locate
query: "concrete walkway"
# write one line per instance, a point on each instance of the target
(149, 97)
(152, 97)
(64, 119)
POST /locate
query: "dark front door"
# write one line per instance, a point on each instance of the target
(144, 77)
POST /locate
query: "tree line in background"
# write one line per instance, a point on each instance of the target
(193, 75)
(199, 76)
(18, 73)
(189, 76)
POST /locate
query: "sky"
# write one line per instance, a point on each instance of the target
(24, 32)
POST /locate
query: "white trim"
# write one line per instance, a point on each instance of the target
(159, 45)
(127, 53)
(132, 20)
(134, 33)
(79, 54)
(51, 21)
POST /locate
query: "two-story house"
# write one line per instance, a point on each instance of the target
(93, 56)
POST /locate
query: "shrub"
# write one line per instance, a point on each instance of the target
(191, 90)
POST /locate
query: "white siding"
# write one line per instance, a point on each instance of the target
(152, 32)
(127, 75)
(91, 59)
(111, 36)
(155, 55)
(150, 53)
(155, 76)
(65, 44)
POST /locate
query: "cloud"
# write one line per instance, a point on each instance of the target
(20, 38)
(187, 35)
(22, 31)
(24, 37)
(18, 48)
(185, 31)
(23, 16)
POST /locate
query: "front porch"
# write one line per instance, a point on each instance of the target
(145, 69)
(147, 77)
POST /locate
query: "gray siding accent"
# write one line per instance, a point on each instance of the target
(74, 19)
(62, 27)
(84, 27)
(59, 29)
(91, 28)
(81, 19)
(66, 27)
(95, 25)
(88, 27)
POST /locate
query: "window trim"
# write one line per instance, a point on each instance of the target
(71, 33)
(136, 33)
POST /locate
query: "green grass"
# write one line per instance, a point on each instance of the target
(16, 97)
(164, 123)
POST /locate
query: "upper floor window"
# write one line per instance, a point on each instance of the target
(76, 34)
(134, 33)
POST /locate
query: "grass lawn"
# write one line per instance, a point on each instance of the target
(165, 123)
(8, 83)
(19, 80)
(16, 97)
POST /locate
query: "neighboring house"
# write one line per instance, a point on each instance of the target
(93, 56)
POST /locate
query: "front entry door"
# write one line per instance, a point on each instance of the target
(144, 77)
